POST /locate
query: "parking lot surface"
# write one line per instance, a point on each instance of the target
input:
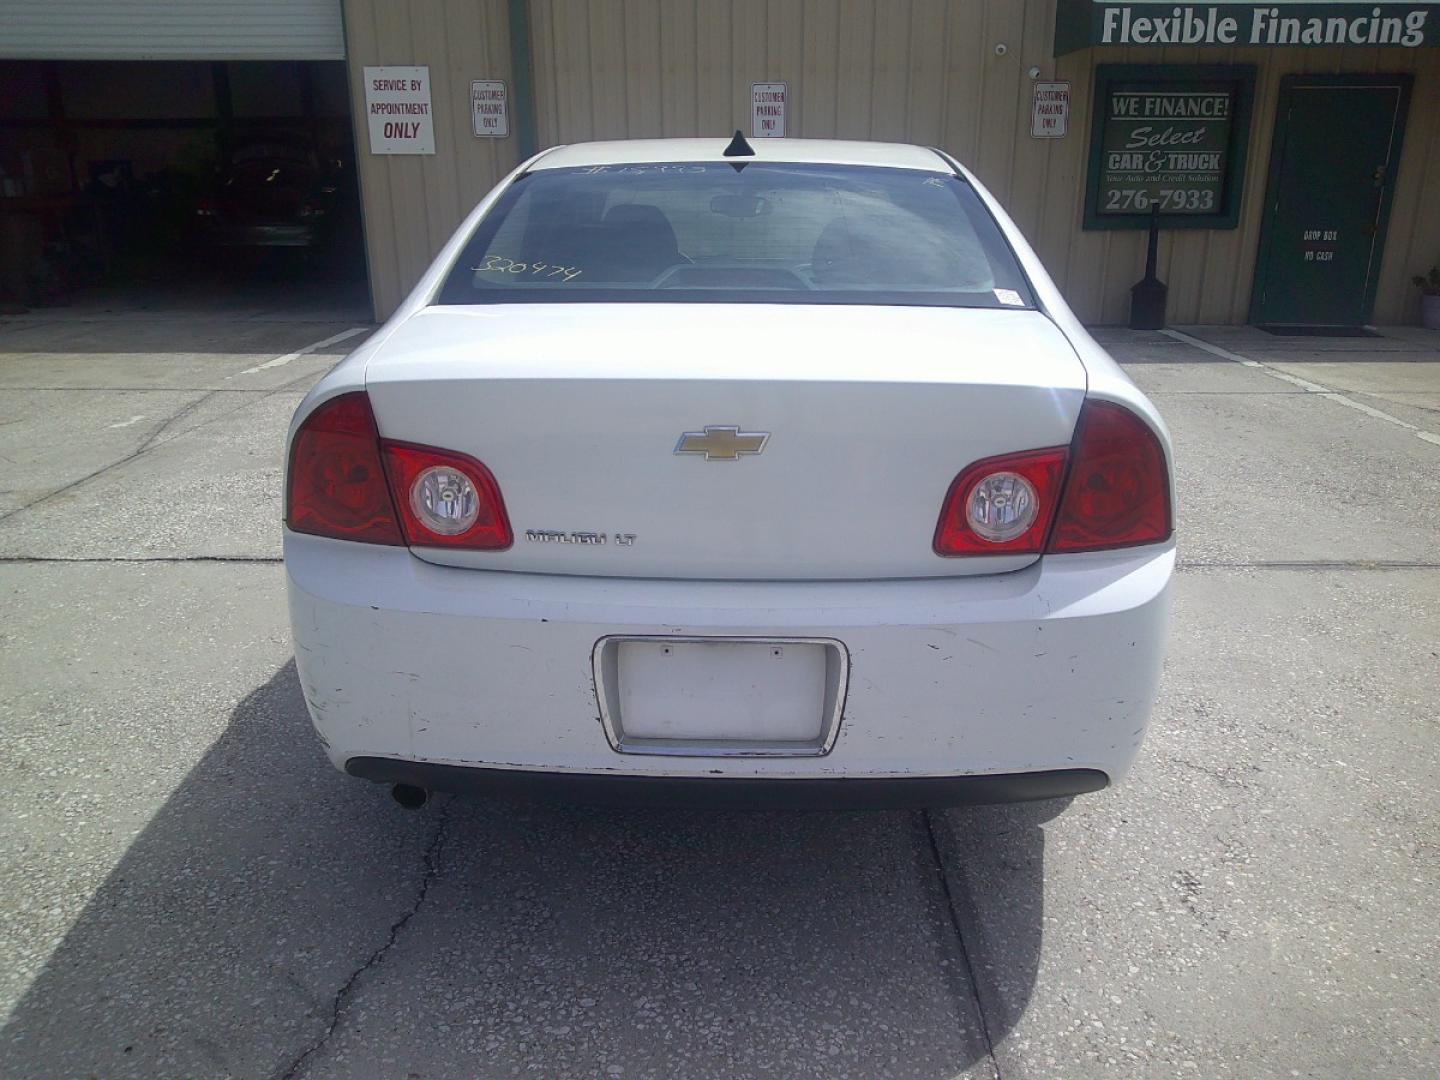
(188, 889)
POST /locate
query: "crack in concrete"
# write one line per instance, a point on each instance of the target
(154, 440)
(1205, 770)
(952, 910)
(165, 425)
(376, 958)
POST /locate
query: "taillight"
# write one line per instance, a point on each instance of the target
(1002, 505)
(1114, 493)
(446, 499)
(339, 486)
(1118, 490)
(336, 482)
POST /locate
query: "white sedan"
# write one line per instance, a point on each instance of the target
(732, 474)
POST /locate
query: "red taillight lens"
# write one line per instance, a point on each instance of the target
(336, 482)
(339, 487)
(1118, 490)
(1002, 505)
(446, 499)
(1116, 493)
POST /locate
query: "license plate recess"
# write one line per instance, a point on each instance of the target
(721, 696)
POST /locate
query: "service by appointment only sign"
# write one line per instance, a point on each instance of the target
(397, 103)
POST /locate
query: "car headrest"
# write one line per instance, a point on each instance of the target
(840, 258)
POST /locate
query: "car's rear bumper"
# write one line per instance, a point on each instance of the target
(1051, 669)
(721, 793)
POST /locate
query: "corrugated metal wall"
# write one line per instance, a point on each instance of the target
(909, 70)
(413, 203)
(167, 30)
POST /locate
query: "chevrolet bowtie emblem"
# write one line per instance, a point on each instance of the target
(722, 443)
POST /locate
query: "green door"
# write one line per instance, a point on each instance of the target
(1337, 144)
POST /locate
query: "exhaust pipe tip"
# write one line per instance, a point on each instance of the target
(409, 796)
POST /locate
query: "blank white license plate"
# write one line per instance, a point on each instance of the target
(723, 692)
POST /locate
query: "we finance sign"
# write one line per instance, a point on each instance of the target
(1080, 24)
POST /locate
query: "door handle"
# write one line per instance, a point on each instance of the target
(1377, 181)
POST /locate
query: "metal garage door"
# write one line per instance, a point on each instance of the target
(166, 30)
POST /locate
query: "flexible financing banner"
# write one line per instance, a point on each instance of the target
(1080, 24)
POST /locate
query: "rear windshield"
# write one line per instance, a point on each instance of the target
(768, 233)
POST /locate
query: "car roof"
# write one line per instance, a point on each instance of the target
(818, 151)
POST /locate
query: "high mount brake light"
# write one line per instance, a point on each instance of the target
(345, 482)
(1114, 493)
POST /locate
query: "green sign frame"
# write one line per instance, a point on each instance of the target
(1200, 199)
(1383, 24)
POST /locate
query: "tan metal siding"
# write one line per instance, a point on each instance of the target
(909, 70)
(926, 71)
(1413, 244)
(412, 203)
(166, 30)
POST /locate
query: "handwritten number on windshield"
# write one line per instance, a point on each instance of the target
(500, 264)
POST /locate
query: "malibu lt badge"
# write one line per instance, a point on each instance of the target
(594, 539)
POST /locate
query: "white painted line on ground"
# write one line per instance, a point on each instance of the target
(125, 423)
(281, 361)
(1304, 384)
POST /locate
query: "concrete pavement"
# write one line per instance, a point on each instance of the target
(188, 889)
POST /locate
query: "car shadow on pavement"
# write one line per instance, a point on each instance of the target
(277, 918)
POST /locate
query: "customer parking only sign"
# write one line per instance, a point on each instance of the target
(397, 103)
(767, 102)
(488, 113)
(1050, 110)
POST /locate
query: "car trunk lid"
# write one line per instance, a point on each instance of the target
(740, 441)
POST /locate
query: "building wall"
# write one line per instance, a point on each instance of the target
(412, 203)
(908, 70)
(1210, 272)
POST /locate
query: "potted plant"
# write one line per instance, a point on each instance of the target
(1429, 298)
